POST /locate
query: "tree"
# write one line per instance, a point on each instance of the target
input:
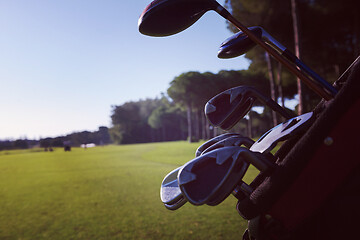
(183, 92)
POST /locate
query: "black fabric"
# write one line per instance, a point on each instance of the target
(294, 155)
(338, 218)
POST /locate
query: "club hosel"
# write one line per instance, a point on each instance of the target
(272, 41)
(242, 190)
(221, 10)
(257, 160)
(272, 104)
(277, 108)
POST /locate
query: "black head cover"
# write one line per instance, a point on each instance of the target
(238, 44)
(167, 17)
(227, 108)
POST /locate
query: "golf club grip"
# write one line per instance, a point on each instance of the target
(315, 87)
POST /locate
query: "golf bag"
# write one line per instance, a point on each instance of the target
(314, 193)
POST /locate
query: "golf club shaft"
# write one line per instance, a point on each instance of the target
(312, 83)
(276, 107)
(291, 57)
(294, 59)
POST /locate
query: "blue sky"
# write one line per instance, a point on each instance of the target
(63, 64)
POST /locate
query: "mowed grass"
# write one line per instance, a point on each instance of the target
(107, 192)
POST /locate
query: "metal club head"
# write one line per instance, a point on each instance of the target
(168, 17)
(282, 132)
(228, 107)
(212, 141)
(230, 141)
(238, 44)
(210, 178)
(170, 193)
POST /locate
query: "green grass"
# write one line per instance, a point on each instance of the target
(107, 192)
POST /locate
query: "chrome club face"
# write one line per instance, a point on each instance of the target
(170, 193)
(227, 108)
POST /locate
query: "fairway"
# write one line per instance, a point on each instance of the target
(109, 192)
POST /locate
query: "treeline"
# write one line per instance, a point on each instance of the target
(100, 137)
(179, 114)
(326, 37)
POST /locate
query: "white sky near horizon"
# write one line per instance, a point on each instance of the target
(63, 64)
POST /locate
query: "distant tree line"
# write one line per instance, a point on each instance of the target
(100, 137)
(179, 114)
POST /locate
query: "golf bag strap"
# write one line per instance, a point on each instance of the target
(270, 190)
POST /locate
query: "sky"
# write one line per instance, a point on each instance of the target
(65, 63)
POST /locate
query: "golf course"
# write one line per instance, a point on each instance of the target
(105, 192)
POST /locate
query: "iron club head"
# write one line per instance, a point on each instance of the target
(170, 193)
(230, 141)
(228, 107)
(212, 141)
(210, 178)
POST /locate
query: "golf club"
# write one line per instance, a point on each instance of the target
(282, 132)
(168, 17)
(228, 107)
(212, 141)
(230, 141)
(240, 43)
(210, 178)
(170, 193)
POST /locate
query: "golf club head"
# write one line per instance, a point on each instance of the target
(170, 193)
(238, 44)
(167, 17)
(230, 141)
(202, 177)
(212, 141)
(210, 178)
(282, 132)
(228, 107)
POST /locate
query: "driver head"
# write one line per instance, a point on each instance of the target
(168, 17)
